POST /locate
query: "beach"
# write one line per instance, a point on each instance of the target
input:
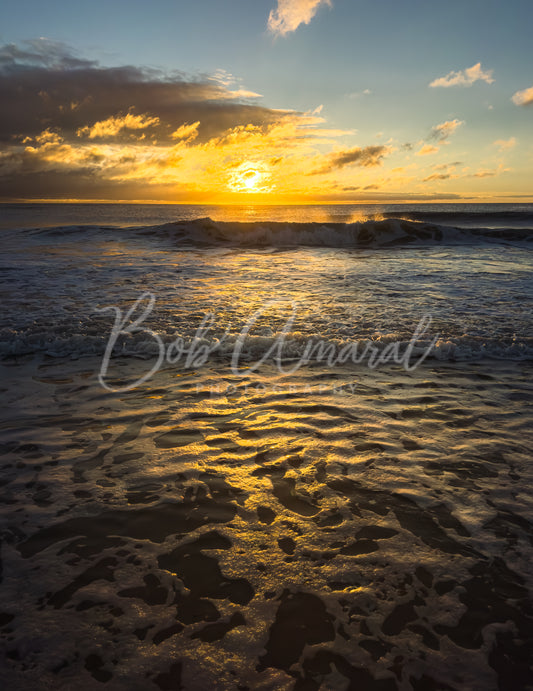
(267, 454)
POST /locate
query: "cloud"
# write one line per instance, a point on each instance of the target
(449, 175)
(358, 94)
(186, 132)
(243, 93)
(44, 85)
(41, 51)
(113, 125)
(439, 135)
(223, 77)
(441, 132)
(445, 166)
(523, 98)
(71, 128)
(490, 173)
(427, 149)
(366, 157)
(289, 14)
(464, 77)
(437, 176)
(226, 79)
(505, 144)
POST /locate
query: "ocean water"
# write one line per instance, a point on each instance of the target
(267, 447)
(374, 278)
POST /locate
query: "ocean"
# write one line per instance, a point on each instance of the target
(266, 447)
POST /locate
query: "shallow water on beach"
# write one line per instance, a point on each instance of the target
(339, 528)
(263, 474)
(60, 295)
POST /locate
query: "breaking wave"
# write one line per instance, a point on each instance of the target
(391, 232)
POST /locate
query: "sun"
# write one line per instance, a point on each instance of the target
(250, 177)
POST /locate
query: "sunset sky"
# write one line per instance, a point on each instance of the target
(274, 101)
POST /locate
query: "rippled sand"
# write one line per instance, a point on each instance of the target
(337, 529)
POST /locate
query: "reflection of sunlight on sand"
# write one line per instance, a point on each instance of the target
(260, 515)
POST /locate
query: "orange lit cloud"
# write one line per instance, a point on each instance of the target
(439, 176)
(138, 135)
(446, 166)
(464, 77)
(243, 159)
(427, 149)
(186, 132)
(113, 125)
(505, 144)
(490, 173)
(441, 132)
(523, 98)
(70, 128)
(289, 14)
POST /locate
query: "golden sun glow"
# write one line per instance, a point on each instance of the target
(250, 177)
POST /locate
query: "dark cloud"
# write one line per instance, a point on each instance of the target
(366, 157)
(87, 184)
(441, 132)
(436, 176)
(445, 166)
(24, 174)
(52, 99)
(42, 51)
(43, 85)
(398, 197)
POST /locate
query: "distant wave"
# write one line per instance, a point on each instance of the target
(476, 218)
(391, 232)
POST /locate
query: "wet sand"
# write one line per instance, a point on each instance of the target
(338, 529)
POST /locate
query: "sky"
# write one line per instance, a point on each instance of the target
(275, 101)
